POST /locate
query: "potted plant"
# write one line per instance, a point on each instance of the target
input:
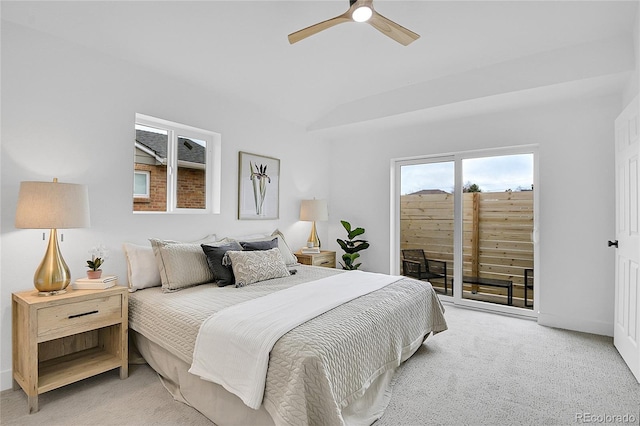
(98, 256)
(351, 246)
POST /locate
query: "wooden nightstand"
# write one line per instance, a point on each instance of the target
(325, 258)
(58, 340)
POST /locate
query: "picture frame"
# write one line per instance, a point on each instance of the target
(258, 187)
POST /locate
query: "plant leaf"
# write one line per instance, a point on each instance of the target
(360, 247)
(346, 225)
(355, 233)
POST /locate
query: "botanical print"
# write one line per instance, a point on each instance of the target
(258, 187)
(260, 178)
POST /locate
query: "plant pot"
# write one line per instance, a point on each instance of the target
(94, 274)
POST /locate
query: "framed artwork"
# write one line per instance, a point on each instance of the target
(258, 187)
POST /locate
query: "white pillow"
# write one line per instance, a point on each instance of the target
(287, 254)
(249, 237)
(207, 239)
(180, 265)
(142, 269)
(253, 266)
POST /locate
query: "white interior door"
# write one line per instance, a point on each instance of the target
(627, 291)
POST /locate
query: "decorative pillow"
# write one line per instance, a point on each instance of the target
(205, 240)
(287, 254)
(180, 264)
(214, 252)
(290, 259)
(259, 245)
(248, 237)
(253, 266)
(142, 269)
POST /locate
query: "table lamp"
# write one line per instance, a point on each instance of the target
(312, 211)
(52, 205)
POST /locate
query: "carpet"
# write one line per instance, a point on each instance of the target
(486, 369)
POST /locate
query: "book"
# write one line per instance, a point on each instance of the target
(95, 283)
(310, 250)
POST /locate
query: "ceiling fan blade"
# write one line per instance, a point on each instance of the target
(393, 30)
(314, 29)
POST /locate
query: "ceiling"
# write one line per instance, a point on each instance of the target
(351, 73)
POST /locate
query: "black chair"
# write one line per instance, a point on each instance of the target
(416, 265)
(528, 285)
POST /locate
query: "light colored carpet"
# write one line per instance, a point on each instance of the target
(485, 370)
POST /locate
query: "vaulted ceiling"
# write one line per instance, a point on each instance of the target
(471, 54)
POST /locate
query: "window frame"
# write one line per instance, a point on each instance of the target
(213, 164)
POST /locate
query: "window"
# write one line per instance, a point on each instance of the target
(176, 168)
(141, 184)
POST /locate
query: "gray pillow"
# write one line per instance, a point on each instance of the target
(180, 264)
(253, 266)
(289, 258)
(259, 245)
(223, 275)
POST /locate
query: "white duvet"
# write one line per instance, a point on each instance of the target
(233, 345)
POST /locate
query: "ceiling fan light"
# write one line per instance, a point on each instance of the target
(362, 14)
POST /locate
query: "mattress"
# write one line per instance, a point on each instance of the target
(319, 370)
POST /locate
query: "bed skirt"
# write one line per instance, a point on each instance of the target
(224, 408)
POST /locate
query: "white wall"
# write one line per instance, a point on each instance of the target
(576, 185)
(69, 113)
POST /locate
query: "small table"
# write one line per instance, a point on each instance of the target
(58, 340)
(492, 282)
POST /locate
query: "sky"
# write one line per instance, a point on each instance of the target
(491, 174)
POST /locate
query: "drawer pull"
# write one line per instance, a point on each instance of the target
(81, 315)
(325, 262)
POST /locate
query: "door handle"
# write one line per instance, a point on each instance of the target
(613, 243)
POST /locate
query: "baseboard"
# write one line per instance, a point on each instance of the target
(576, 324)
(6, 380)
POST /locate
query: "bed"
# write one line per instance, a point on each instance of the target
(334, 369)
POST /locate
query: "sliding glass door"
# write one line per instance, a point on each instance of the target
(497, 239)
(466, 223)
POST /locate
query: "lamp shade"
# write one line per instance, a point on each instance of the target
(314, 210)
(52, 205)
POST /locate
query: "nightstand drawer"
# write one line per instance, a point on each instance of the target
(324, 259)
(73, 318)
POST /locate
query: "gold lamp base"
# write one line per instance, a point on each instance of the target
(313, 237)
(53, 275)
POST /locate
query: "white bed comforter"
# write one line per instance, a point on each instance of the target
(250, 329)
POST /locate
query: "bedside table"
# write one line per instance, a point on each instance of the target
(58, 340)
(325, 258)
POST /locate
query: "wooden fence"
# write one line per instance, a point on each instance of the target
(497, 232)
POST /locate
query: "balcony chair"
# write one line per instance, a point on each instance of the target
(416, 265)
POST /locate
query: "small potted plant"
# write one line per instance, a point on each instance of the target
(98, 256)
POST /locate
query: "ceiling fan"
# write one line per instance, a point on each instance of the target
(360, 11)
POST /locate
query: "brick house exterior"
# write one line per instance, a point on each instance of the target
(151, 157)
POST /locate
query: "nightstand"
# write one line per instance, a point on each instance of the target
(325, 258)
(58, 340)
